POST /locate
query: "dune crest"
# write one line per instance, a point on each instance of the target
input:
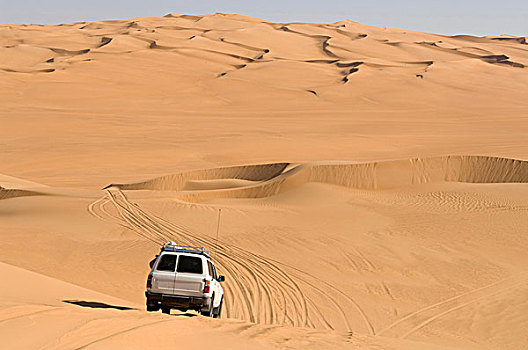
(269, 179)
(240, 46)
(12, 187)
(177, 182)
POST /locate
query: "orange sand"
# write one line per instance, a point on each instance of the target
(373, 183)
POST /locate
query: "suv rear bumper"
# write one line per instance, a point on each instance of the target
(178, 301)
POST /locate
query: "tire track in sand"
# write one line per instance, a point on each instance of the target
(259, 289)
(473, 301)
(426, 315)
(250, 277)
(119, 333)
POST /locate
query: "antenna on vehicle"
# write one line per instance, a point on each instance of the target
(217, 230)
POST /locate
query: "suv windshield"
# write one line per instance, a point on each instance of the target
(167, 263)
(190, 264)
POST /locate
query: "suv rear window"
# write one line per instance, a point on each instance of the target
(190, 264)
(167, 263)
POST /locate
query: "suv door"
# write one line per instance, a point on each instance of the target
(216, 286)
(190, 275)
(164, 274)
(214, 282)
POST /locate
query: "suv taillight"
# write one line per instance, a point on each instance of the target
(149, 281)
(207, 286)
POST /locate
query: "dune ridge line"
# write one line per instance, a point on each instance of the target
(269, 179)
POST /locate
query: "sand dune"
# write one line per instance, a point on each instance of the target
(208, 79)
(11, 187)
(271, 276)
(11, 182)
(177, 182)
(87, 319)
(372, 181)
(372, 176)
(250, 44)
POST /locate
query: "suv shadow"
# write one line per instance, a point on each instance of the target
(96, 305)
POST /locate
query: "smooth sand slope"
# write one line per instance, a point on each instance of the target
(87, 104)
(64, 316)
(373, 183)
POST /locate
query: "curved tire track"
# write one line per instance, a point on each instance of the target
(420, 318)
(260, 289)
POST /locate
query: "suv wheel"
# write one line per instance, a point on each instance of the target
(152, 306)
(218, 310)
(209, 310)
(166, 310)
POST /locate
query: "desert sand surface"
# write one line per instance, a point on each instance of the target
(372, 182)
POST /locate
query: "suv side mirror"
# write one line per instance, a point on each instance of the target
(221, 278)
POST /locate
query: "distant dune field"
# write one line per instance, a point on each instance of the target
(373, 183)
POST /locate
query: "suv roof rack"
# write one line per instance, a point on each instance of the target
(173, 247)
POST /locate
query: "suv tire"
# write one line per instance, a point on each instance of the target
(165, 310)
(217, 312)
(209, 311)
(151, 307)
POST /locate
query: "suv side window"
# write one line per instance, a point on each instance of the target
(190, 264)
(212, 271)
(167, 263)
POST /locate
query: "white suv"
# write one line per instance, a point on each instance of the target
(183, 278)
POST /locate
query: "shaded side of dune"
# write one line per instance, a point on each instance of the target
(178, 182)
(13, 193)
